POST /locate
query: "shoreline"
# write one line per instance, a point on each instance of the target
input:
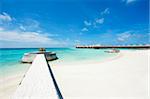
(125, 76)
(88, 61)
(68, 70)
(11, 81)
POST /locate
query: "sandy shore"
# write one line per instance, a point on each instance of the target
(121, 77)
(124, 76)
(9, 83)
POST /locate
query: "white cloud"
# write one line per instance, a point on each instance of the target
(129, 1)
(22, 27)
(84, 29)
(30, 25)
(100, 21)
(5, 17)
(106, 11)
(26, 33)
(1, 29)
(77, 41)
(87, 23)
(124, 36)
(96, 21)
(26, 37)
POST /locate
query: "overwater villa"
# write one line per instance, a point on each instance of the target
(113, 46)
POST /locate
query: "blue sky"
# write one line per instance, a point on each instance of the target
(66, 23)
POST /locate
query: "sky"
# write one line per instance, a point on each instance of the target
(67, 23)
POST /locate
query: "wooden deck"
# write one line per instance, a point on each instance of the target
(38, 83)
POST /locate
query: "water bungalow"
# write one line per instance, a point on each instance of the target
(113, 46)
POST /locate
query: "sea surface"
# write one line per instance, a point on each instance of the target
(10, 57)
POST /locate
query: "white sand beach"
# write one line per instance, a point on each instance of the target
(122, 77)
(10, 83)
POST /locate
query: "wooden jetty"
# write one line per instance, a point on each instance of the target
(39, 82)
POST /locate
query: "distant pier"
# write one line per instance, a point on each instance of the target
(117, 46)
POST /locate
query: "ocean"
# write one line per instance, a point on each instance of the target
(10, 57)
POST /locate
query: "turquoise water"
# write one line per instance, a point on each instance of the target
(10, 58)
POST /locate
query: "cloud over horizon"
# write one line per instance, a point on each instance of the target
(5, 17)
(20, 36)
(124, 36)
(128, 1)
(27, 32)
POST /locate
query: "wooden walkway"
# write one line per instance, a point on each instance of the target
(38, 82)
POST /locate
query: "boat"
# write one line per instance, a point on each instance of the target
(112, 51)
(29, 57)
